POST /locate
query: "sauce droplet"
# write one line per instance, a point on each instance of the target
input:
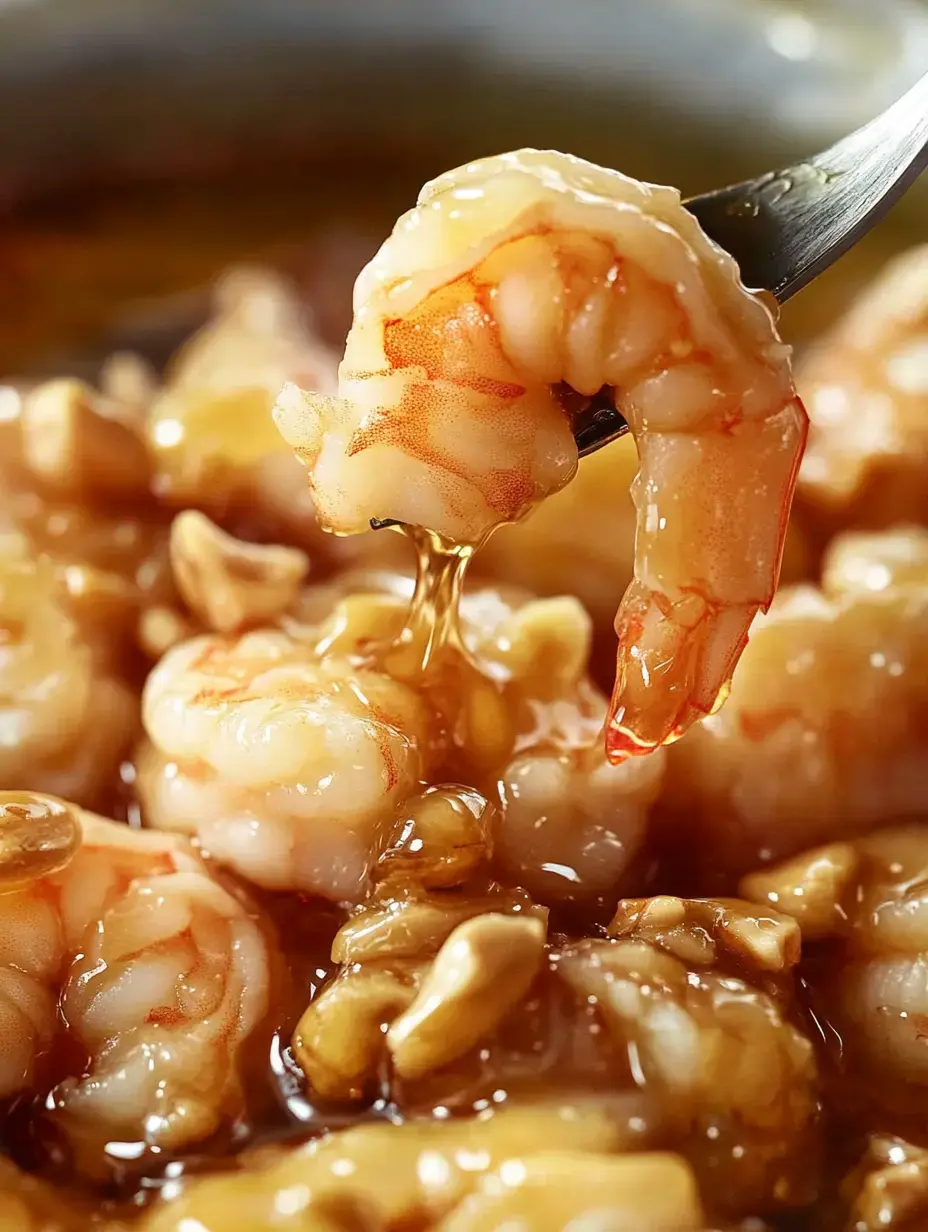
(38, 835)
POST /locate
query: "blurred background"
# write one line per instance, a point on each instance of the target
(145, 144)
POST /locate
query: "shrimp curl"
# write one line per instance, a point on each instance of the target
(522, 278)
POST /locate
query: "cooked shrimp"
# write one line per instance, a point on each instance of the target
(866, 386)
(865, 904)
(288, 751)
(581, 541)
(512, 278)
(64, 724)
(286, 764)
(159, 974)
(823, 736)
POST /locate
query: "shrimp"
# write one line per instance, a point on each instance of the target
(823, 736)
(288, 751)
(514, 279)
(287, 764)
(64, 723)
(865, 905)
(581, 541)
(157, 972)
(866, 386)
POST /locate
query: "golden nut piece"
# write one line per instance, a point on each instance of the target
(230, 584)
(339, 1040)
(810, 887)
(694, 930)
(74, 442)
(889, 1188)
(481, 973)
(439, 838)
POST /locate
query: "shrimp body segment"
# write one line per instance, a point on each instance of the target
(518, 279)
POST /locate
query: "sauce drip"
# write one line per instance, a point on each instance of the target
(431, 628)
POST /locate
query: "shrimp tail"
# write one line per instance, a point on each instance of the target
(715, 635)
(681, 633)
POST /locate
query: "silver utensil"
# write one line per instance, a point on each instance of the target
(785, 227)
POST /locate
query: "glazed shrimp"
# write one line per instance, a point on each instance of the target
(158, 973)
(286, 764)
(65, 723)
(513, 279)
(289, 751)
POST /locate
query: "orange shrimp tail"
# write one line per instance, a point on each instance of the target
(670, 671)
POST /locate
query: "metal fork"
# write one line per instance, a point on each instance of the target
(785, 227)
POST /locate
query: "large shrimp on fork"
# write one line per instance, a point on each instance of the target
(518, 286)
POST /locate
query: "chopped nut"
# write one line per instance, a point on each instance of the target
(810, 887)
(890, 1187)
(693, 928)
(551, 1191)
(481, 972)
(484, 723)
(439, 839)
(339, 1040)
(417, 927)
(544, 643)
(230, 584)
(74, 446)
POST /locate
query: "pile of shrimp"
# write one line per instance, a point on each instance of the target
(290, 751)
(599, 1012)
(380, 917)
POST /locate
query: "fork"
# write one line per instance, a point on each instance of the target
(784, 228)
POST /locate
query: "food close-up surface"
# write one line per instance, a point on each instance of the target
(410, 817)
